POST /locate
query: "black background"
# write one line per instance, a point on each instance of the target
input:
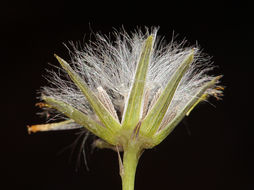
(217, 154)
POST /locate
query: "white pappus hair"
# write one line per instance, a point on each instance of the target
(109, 67)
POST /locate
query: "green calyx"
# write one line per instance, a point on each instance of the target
(145, 130)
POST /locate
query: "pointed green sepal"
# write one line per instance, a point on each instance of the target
(82, 119)
(132, 112)
(163, 133)
(105, 117)
(202, 98)
(154, 117)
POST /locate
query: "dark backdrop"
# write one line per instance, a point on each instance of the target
(212, 149)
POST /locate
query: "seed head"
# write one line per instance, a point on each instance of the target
(134, 88)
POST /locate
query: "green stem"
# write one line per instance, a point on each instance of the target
(130, 161)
